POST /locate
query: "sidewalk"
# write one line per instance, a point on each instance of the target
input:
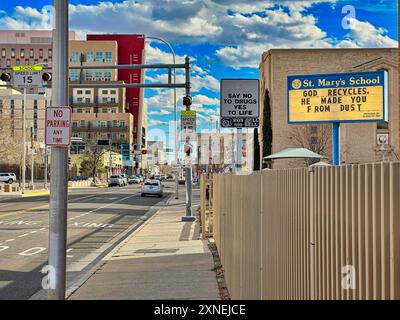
(164, 259)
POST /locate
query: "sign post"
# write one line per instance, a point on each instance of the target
(337, 98)
(239, 109)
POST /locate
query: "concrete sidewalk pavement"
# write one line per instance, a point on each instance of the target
(164, 259)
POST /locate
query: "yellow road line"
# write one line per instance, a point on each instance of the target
(33, 194)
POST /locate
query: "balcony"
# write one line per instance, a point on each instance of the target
(93, 103)
(91, 128)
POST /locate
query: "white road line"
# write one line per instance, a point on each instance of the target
(23, 235)
(9, 240)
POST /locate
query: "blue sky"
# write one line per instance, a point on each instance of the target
(224, 38)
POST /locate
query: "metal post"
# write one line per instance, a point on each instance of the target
(32, 157)
(188, 169)
(45, 167)
(239, 150)
(59, 156)
(336, 143)
(24, 142)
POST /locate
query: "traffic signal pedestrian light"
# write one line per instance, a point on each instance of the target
(187, 101)
(46, 76)
(6, 77)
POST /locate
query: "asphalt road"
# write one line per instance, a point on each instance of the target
(98, 219)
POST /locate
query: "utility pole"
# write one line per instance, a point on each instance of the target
(59, 157)
(188, 168)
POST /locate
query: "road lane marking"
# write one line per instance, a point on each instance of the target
(9, 240)
(32, 251)
(2, 248)
(23, 235)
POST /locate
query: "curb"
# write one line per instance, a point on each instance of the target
(35, 194)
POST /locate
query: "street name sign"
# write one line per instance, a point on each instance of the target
(342, 97)
(58, 126)
(239, 103)
(27, 77)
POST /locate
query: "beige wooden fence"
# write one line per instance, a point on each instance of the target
(329, 233)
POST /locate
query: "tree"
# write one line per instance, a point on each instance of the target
(266, 127)
(93, 164)
(314, 137)
(256, 158)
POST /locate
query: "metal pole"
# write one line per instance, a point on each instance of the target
(336, 143)
(188, 169)
(24, 142)
(175, 112)
(45, 168)
(59, 156)
(32, 157)
(239, 150)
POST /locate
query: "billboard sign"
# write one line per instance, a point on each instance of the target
(239, 99)
(341, 97)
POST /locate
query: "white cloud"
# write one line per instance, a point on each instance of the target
(160, 112)
(365, 35)
(153, 122)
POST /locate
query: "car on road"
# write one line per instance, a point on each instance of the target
(133, 179)
(8, 177)
(124, 178)
(152, 187)
(115, 180)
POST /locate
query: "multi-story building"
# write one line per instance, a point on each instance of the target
(131, 50)
(218, 151)
(12, 114)
(359, 141)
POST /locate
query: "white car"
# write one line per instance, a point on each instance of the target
(115, 180)
(8, 177)
(152, 187)
(133, 179)
(124, 178)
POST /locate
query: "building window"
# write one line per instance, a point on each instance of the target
(115, 123)
(89, 56)
(122, 123)
(99, 56)
(74, 76)
(82, 123)
(79, 92)
(75, 56)
(8, 63)
(122, 136)
(97, 76)
(104, 110)
(45, 61)
(79, 110)
(27, 62)
(88, 92)
(75, 124)
(22, 53)
(108, 56)
(113, 92)
(41, 53)
(17, 62)
(79, 100)
(50, 53)
(12, 53)
(3, 53)
(87, 100)
(36, 61)
(113, 110)
(107, 75)
(112, 100)
(103, 124)
(104, 91)
(89, 75)
(31, 53)
(382, 125)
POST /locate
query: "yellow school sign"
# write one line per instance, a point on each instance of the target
(346, 97)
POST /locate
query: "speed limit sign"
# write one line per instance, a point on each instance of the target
(27, 77)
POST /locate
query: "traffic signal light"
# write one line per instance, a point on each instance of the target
(187, 101)
(6, 77)
(69, 161)
(46, 76)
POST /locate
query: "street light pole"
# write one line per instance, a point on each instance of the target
(59, 159)
(24, 142)
(175, 112)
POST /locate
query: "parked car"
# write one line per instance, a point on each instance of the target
(152, 187)
(8, 177)
(140, 177)
(133, 179)
(115, 180)
(124, 178)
